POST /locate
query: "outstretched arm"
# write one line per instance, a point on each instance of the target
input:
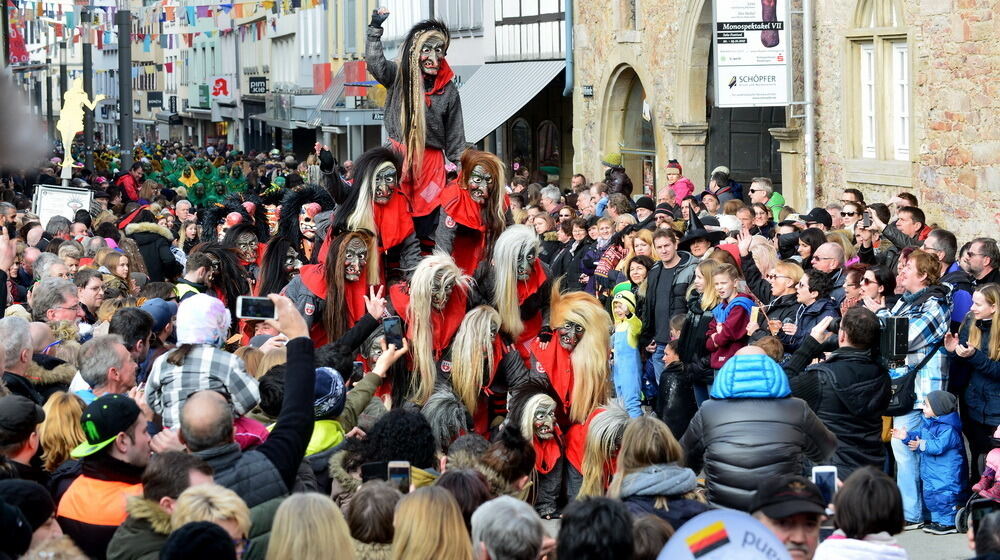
(383, 70)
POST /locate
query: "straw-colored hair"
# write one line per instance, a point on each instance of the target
(429, 526)
(472, 350)
(60, 432)
(646, 442)
(276, 357)
(442, 267)
(991, 292)
(509, 246)
(709, 297)
(210, 502)
(527, 426)
(600, 447)
(252, 357)
(309, 526)
(590, 357)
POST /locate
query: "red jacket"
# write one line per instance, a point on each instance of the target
(130, 187)
(733, 336)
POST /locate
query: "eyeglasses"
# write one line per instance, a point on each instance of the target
(971, 254)
(755, 190)
(72, 307)
(846, 214)
(866, 281)
(819, 258)
(774, 276)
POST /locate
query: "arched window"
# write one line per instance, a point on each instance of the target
(879, 82)
(520, 143)
(548, 144)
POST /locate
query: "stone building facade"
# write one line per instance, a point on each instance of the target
(905, 100)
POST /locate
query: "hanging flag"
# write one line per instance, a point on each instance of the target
(204, 12)
(169, 66)
(170, 12)
(71, 20)
(237, 10)
(191, 15)
(146, 44)
(226, 7)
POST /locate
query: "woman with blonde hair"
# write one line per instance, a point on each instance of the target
(651, 477)
(309, 526)
(219, 505)
(60, 432)
(976, 349)
(429, 526)
(701, 300)
(116, 271)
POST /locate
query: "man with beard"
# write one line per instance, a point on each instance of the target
(472, 212)
(981, 261)
(423, 112)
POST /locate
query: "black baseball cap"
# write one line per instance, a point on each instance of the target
(103, 420)
(787, 495)
(19, 416)
(818, 216)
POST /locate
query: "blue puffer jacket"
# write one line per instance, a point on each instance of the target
(751, 377)
(983, 374)
(943, 462)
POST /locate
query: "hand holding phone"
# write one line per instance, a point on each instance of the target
(255, 308)
(399, 475)
(825, 477)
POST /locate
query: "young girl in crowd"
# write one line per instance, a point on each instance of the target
(727, 332)
(701, 300)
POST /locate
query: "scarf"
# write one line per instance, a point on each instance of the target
(721, 311)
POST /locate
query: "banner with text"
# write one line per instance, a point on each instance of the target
(753, 53)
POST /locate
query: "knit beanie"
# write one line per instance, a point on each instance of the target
(675, 165)
(31, 498)
(612, 159)
(645, 202)
(329, 394)
(623, 293)
(15, 531)
(942, 402)
(202, 319)
(665, 209)
(199, 540)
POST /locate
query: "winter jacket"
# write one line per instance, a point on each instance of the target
(682, 188)
(691, 345)
(981, 393)
(372, 551)
(878, 546)
(567, 264)
(343, 483)
(143, 533)
(641, 489)
(675, 404)
(929, 312)
(942, 464)
(806, 317)
(270, 470)
(752, 429)
(666, 290)
(849, 393)
(733, 315)
(94, 504)
(962, 285)
(49, 374)
(154, 245)
(550, 246)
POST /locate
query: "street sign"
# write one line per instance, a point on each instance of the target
(221, 88)
(753, 54)
(257, 85)
(154, 99)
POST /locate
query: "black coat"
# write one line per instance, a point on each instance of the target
(741, 442)
(567, 264)
(849, 393)
(154, 245)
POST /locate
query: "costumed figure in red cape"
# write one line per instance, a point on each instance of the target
(472, 212)
(521, 288)
(423, 112)
(574, 368)
(297, 220)
(604, 430)
(374, 203)
(280, 264)
(433, 304)
(331, 296)
(535, 415)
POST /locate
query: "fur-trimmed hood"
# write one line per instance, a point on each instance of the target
(148, 227)
(347, 483)
(372, 551)
(61, 373)
(148, 510)
(498, 486)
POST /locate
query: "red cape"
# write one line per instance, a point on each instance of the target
(444, 323)
(547, 452)
(558, 366)
(533, 325)
(576, 437)
(469, 244)
(314, 278)
(393, 222)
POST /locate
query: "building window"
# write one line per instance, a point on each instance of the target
(879, 96)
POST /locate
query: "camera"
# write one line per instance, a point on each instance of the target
(894, 341)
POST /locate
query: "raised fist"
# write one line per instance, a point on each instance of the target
(379, 16)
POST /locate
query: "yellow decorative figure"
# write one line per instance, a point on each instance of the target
(71, 120)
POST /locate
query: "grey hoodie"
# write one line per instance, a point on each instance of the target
(659, 480)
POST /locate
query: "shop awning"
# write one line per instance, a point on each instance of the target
(269, 120)
(167, 117)
(496, 91)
